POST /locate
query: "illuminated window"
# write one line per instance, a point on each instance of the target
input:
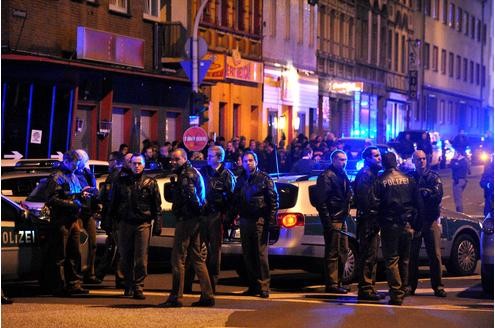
(434, 60)
(118, 5)
(154, 9)
(441, 112)
(435, 10)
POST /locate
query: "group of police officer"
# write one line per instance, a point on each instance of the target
(404, 207)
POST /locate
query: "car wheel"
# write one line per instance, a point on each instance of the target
(350, 267)
(463, 256)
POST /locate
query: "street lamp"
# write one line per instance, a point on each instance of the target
(195, 79)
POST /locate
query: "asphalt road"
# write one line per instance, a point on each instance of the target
(297, 300)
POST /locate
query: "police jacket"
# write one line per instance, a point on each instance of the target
(335, 193)
(135, 199)
(64, 190)
(256, 196)
(367, 203)
(459, 168)
(431, 191)
(88, 182)
(398, 196)
(104, 198)
(189, 193)
(219, 188)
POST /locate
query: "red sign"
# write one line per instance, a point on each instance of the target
(195, 138)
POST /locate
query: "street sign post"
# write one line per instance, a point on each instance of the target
(195, 138)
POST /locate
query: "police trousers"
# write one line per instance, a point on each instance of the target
(368, 248)
(134, 240)
(336, 251)
(396, 247)
(430, 233)
(254, 240)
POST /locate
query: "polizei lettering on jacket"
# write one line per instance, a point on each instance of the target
(395, 182)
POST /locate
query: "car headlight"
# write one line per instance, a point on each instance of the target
(487, 226)
(484, 156)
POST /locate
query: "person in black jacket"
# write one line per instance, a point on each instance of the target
(65, 201)
(397, 194)
(110, 259)
(335, 193)
(88, 213)
(136, 202)
(219, 183)
(431, 192)
(367, 222)
(187, 206)
(256, 201)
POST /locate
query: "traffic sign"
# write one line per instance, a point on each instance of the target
(204, 65)
(195, 138)
(15, 155)
(202, 47)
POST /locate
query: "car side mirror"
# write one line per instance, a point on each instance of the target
(313, 195)
(168, 191)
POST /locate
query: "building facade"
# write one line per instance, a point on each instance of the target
(290, 90)
(456, 87)
(86, 74)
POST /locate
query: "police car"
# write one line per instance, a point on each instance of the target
(25, 241)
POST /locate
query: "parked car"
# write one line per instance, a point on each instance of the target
(487, 254)
(98, 167)
(299, 243)
(478, 151)
(25, 241)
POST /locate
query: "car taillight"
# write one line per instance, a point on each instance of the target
(290, 220)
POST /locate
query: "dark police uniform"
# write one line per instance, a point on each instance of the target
(64, 201)
(88, 212)
(431, 192)
(486, 182)
(256, 198)
(187, 205)
(335, 193)
(367, 206)
(397, 193)
(220, 185)
(135, 202)
(460, 169)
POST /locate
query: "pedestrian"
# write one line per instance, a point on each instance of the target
(397, 194)
(460, 142)
(368, 229)
(88, 212)
(460, 168)
(425, 145)
(123, 149)
(486, 183)
(427, 226)
(256, 203)
(334, 197)
(219, 184)
(187, 206)
(306, 164)
(136, 202)
(109, 223)
(65, 193)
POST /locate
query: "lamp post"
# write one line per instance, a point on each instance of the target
(195, 78)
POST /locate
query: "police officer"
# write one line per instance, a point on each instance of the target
(64, 190)
(397, 194)
(136, 202)
(431, 192)
(256, 200)
(486, 182)
(219, 183)
(460, 169)
(187, 205)
(334, 196)
(88, 212)
(367, 222)
(110, 259)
